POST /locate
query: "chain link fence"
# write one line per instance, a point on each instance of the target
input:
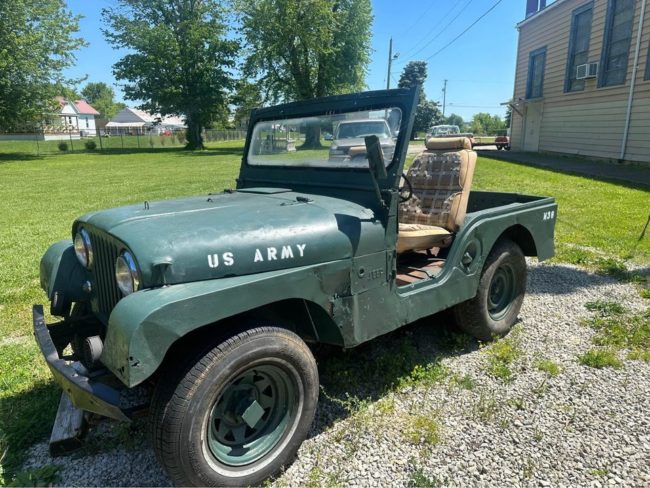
(75, 141)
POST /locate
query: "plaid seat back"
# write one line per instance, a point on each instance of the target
(441, 182)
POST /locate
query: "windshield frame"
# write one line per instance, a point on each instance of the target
(283, 176)
(277, 142)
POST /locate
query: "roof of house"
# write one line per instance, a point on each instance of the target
(136, 117)
(82, 107)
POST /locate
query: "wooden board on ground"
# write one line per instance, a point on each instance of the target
(69, 429)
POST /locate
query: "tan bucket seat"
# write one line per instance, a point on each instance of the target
(441, 178)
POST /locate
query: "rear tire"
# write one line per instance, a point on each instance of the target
(494, 309)
(237, 413)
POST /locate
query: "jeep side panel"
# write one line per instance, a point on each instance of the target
(361, 297)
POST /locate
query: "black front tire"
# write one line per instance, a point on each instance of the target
(494, 309)
(184, 406)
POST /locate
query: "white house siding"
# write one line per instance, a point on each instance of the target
(69, 115)
(588, 122)
(87, 123)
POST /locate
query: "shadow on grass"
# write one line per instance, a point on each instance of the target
(370, 371)
(212, 151)
(560, 279)
(633, 177)
(26, 418)
(18, 156)
(209, 152)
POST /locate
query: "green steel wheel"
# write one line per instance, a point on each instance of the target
(251, 415)
(238, 412)
(501, 292)
(502, 286)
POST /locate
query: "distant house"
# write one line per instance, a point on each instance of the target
(69, 120)
(134, 121)
(582, 83)
(73, 119)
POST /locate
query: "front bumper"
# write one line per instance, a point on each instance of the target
(85, 392)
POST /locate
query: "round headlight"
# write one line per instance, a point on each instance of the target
(83, 248)
(126, 273)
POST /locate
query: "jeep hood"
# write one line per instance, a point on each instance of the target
(243, 232)
(361, 142)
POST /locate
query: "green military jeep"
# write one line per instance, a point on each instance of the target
(210, 301)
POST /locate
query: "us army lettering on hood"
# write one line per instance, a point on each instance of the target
(264, 254)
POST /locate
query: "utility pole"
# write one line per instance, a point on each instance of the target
(444, 98)
(391, 57)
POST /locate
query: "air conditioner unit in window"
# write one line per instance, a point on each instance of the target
(584, 71)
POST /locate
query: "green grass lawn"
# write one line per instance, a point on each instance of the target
(607, 217)
(40, 197)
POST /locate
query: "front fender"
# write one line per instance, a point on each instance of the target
(144, 325)
(62, 273)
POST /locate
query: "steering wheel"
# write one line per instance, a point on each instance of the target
(406, 191)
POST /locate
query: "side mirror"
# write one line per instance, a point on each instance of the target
(375, 157)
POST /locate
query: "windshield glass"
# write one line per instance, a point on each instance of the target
(335, 140)
(349, 130)
(442, 130)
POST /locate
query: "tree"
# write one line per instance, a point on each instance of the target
(427, 113)
(100, 96)
(508, 118)
(485, 124)
(414, 73)
(247, 97)
(66, 91)
(37, 43)
(301, 49)
(179, 58)
(455, 119)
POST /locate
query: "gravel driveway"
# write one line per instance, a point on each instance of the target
(581, 427)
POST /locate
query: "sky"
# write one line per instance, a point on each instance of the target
(479, 65)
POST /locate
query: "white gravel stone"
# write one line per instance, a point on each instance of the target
(584, 427)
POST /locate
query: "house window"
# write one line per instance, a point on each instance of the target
(578, 46)
(87, 123)
(536, 64)
(616, 44)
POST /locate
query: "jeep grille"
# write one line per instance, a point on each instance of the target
(105, 294)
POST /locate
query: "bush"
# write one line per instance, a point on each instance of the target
(63, 146)
(90, 145)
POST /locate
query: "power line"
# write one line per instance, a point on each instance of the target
(453, 7)
(422, 15)
(428, 43)
(462, 33)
